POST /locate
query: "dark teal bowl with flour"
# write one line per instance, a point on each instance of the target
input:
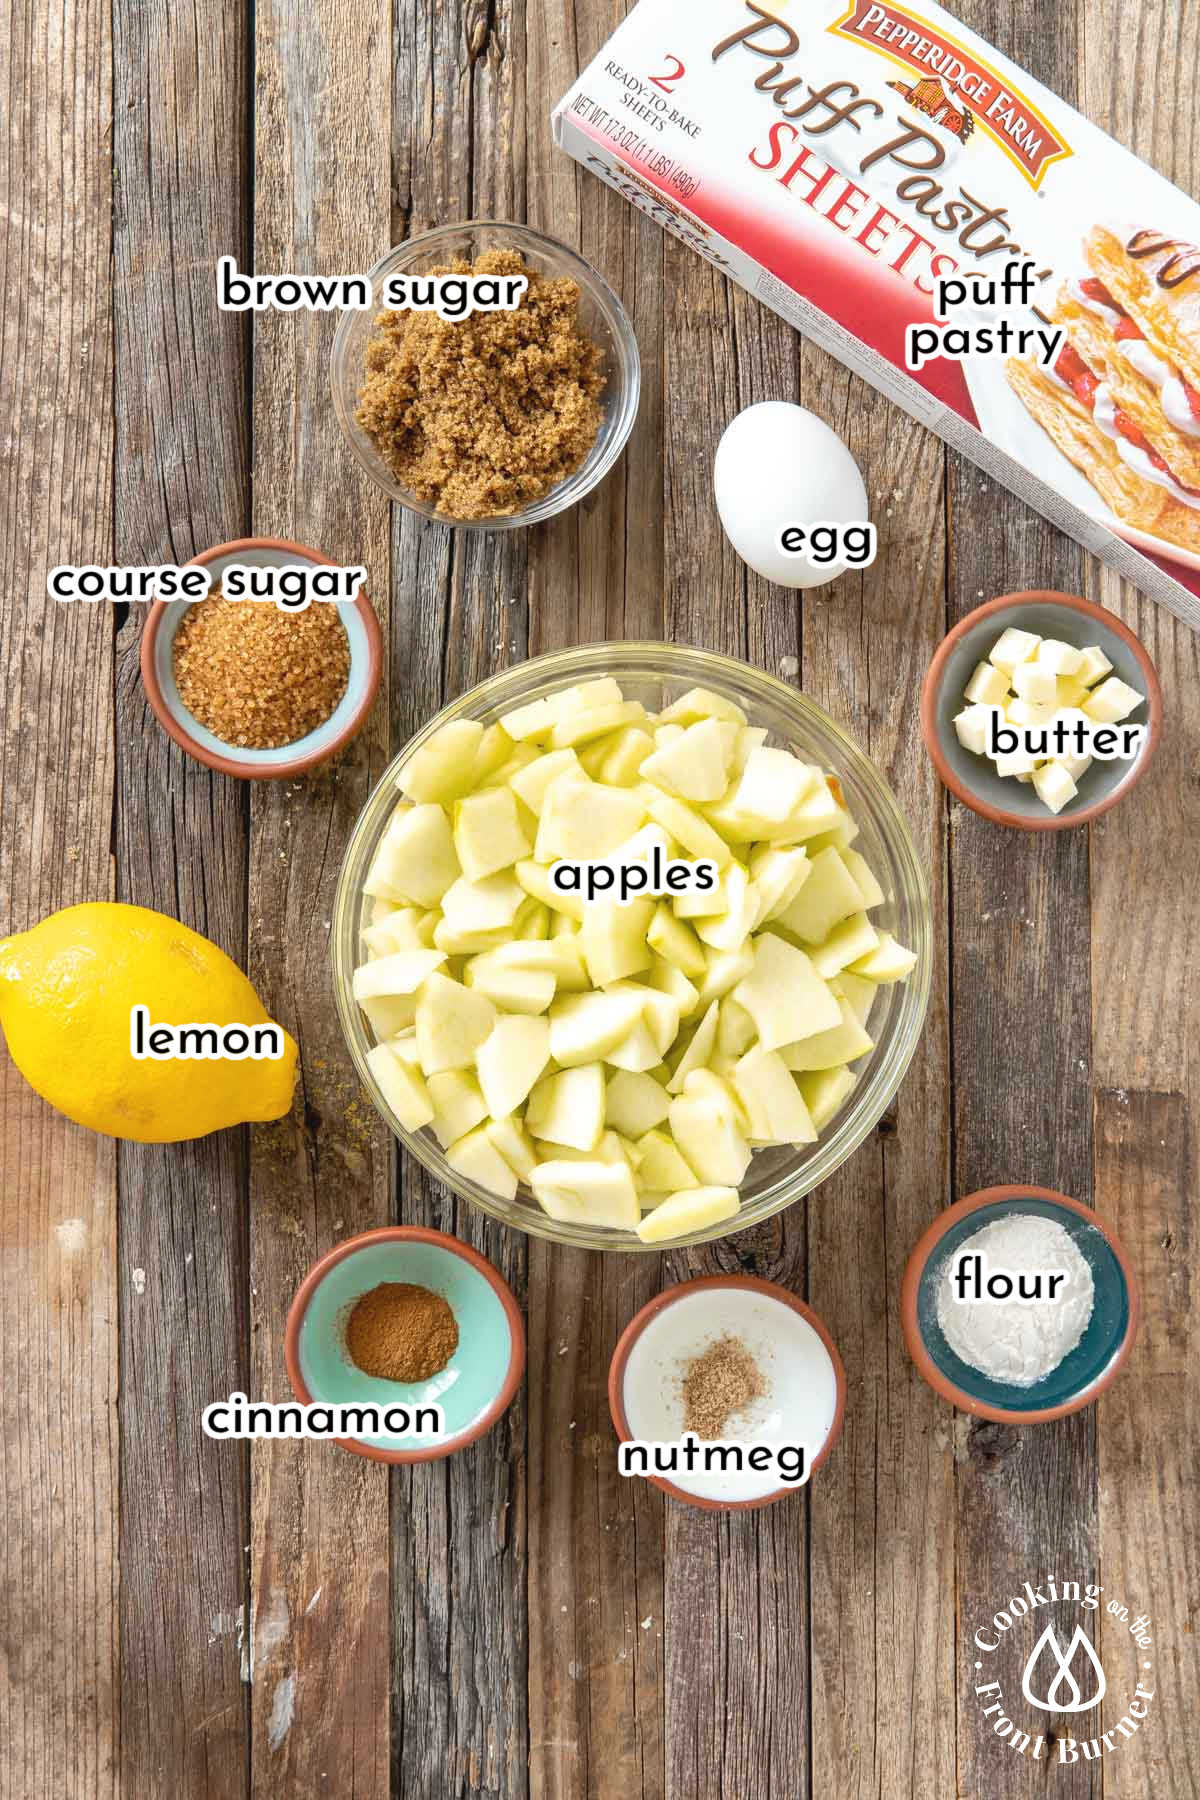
(1084, 1372)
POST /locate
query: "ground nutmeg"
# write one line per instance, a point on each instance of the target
(721, 1382)
(401, 1332)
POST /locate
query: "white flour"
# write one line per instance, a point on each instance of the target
(1018, 1341)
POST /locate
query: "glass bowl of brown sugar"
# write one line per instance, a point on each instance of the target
(502, 418)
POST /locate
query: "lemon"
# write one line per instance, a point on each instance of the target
(67, 989)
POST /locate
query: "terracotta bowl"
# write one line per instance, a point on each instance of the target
(973, 779)
(479, 1381)
(1085, 1373)
(344, 723)
(779, 1330)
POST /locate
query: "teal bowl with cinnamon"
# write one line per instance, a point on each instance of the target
(475, 1387)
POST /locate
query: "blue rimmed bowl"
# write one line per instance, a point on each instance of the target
(478, 1383)
(1083, 1374)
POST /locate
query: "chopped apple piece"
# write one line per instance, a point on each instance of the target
(452, 1021)
(847, 943)
(773, 1104)
(613, 939)
(670, 980)
(857, 991)
(663, 1165)
(773, 784)
(845, 1043)
(624, 754)
(587, 1193)
(784, 993)
(594, 721)
(825, 1092)
(487, 833)
(732, 928)
(568, 1108)
(390, 1015)
(725, 969)
(864, 880)
(405, 928)
(441, 769)
(458, 1104)
(635, 1103)
(830, 895)
(508, 985)
(476, 1158)
(674, 940)
(415, 860)
(401, 1085)
(885, 961)
(515, 1145)
(694, 767)
(699, 1051)
(530, 783)
(537, 883)
(818, 812)
(688, 827)
(585, 1027)
(778, 874)
(582, 820)
(701, 703)
(401, 973)
(705, 1118)
(736, 1031)
(694, 1209)
(510, 1060)
(495, 748)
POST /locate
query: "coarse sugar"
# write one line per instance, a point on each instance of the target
(257, 677)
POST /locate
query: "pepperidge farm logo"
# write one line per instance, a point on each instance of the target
(1027, 1669)
(955, 87)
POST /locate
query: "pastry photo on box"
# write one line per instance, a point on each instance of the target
(1122, 399)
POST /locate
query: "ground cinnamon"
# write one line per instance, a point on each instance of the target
(401, 1332)
(721, 1382)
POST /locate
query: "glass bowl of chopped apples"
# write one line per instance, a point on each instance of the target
(657, 1071)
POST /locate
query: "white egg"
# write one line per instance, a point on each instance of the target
(778, 465)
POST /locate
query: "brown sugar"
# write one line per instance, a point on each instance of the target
(258, 677)
(401, 1332)
(717, 1384)
(481, 416)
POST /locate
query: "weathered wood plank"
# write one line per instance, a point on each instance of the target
(1020, 993)
(182, 483)
(595, 1539)
(59, 1677)
(1146, 997)
(319, 1644)
(458, 613)
(1149, 1436)
(883, 1528)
